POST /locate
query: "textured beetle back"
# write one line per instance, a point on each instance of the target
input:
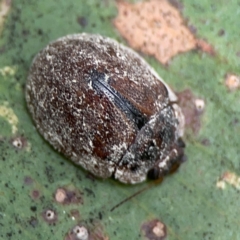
(94, 99)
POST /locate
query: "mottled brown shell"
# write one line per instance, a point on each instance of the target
(102, 106)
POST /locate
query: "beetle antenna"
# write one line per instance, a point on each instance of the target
(137, 193)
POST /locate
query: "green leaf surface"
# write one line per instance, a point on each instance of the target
(188, 202)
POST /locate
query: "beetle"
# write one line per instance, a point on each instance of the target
(102, 106)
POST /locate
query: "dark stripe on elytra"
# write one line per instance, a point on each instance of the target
(102, 87)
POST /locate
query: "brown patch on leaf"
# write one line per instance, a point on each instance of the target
(83, 232)
(154, 230)
(97, 232)
(19, 142)
(79, 232)
(192, 108)
(68, 195)
(205, 47)
(232, 82)
(49, 216)
(75, 215)
(35, 194)
(154, 27)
